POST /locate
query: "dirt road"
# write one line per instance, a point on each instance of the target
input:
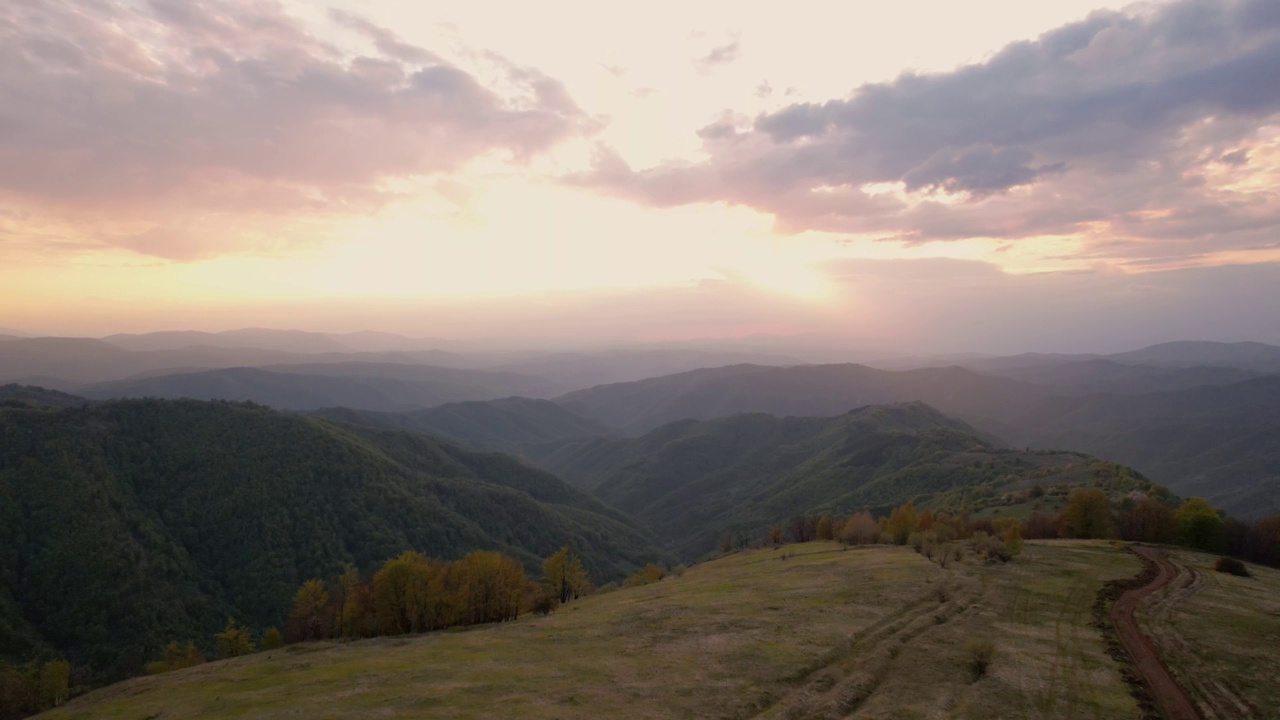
(1172, 699)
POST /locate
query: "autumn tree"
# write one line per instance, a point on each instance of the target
(564, 574)
(646, 575)
(902, 522)
(775, 535)
(860, 529)
(1010, 533)
(175, 657)
(495, 585)
(401, 594)
(310, 617)
(1088, 514)
(234, 641)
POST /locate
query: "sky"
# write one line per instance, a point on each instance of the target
(994, 175)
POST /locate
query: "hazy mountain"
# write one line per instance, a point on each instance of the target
(690, 481)
(1247, 355)
(128, 524)
(582, 370)
(810, 390)
(1219, 442)
(1251, 356)
(363, 386)
(1108, 376)
(507, 424)
(291, 341)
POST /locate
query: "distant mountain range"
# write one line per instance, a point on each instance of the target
(362, 386)
(128, 524)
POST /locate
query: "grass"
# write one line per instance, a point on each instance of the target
(750, 635)
(1219, 634)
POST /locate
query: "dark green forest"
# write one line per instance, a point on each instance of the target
(126, 525)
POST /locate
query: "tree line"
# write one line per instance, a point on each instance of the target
(1153, 517)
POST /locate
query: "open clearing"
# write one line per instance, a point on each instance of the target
(813, 630)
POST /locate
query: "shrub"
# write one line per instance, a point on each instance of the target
(1231, 566)
(978, 654)
(545, 603)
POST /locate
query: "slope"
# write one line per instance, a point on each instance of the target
(802, 632)
(814, 390)
(691, 481)
(124, 525)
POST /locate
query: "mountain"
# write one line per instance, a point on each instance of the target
(32, 396)
(1218, 442)
(811, 390)
(507, 424)
(124, 525)
(1108, 376)
(364, 386)
(1255, 356)
(291, 341)
(691, 481)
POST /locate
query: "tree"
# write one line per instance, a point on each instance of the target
(824, 528)
(564, 574)
(271, 639)
(860, 529)
(402, 594)
(309, 618)
(1148, 520)
(775, 535)
(234, 641)
(1200, 526)
(495, 585)
(1088, 514)
(646, 575)
(902, 522)
(1011, 534)
(803, 528)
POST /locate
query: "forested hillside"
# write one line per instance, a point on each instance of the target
(128, 524)
(692, 481)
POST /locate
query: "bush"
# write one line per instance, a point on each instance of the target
(978, 655)
(1231, 566)
(545, 603)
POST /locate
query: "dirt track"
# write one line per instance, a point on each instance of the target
(1171, 697)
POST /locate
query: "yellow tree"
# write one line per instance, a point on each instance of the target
(309, 616)
(824, 528)
(564, 574)
(235, 640)
(902, 522)
(1088, 514)
(401, 594)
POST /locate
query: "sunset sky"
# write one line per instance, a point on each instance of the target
(916, 176)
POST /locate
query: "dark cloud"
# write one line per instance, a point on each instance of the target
(170, 110)
(1115, 122)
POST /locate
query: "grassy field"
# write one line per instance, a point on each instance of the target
(812, 630)
(1219, 634)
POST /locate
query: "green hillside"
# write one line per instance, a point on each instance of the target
(807, 631)
(127, 524)
(507, 424)
(691, 481)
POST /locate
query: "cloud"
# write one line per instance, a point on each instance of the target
(163, 113)
(1157, 124)
(720, 55)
